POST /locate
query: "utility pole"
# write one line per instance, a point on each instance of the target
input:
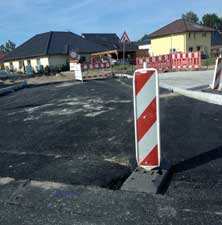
(124, 47)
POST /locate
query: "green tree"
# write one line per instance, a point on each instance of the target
(211, 20)
(8, 46)
(145, 38)
(191, 16)
(219, 27)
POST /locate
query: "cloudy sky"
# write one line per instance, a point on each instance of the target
(21, 19)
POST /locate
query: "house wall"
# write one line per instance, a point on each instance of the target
(146, 47)
(163, 45)
(142, 53)
(54, 60)
(198, 39)
(181, 43)
(57, 60)
(44, 61)
(15, 64)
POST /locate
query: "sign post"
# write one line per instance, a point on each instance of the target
(124, 40)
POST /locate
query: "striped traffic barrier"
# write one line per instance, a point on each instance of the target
(146, 117)
(87, 66)
(96, 76)
(175, 61)
(217, 74)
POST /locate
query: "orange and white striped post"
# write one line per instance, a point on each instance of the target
(146, 117)
(217, 73)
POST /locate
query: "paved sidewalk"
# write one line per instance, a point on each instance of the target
(186, 79)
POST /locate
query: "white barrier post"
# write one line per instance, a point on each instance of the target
(217, 74)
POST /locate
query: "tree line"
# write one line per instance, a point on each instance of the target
(209, 20)
(7, 47)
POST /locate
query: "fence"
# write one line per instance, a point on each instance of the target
(176, 61)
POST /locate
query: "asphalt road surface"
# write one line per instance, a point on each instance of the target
(65, 150)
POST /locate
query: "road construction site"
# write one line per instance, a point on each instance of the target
(67, 148)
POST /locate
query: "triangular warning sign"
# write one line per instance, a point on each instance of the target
(125, 38)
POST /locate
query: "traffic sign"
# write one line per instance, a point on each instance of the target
(125, 38)
(73, 55)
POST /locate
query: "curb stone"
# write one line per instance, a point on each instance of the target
(13, 88)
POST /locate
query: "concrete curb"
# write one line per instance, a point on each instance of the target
(13, 88)
(31, 85)
(202, 96)
(123, 75)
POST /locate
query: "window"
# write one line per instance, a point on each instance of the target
(172, 50)
(11, 66)
(189, 35)
(194, 35)
(20, 65)
(38, 62)
(204, 34)
(190, 49)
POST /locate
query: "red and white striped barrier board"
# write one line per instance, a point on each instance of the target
(97, 76)
(146, 117)
(99, 65)
(217, 73)
(79, 75)
(176, 61)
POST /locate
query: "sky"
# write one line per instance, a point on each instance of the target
(22, 19)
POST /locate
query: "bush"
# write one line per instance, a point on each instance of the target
(47, 70)
(65, 67)
(209, 61)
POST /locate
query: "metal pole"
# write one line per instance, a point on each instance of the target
(124, 52)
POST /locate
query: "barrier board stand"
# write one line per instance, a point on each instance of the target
(152, 172)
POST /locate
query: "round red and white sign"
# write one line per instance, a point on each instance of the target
(73, 55)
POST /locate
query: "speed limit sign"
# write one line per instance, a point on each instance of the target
(73, 55)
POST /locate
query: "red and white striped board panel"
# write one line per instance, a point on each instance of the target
(217, 73)
(146, 117)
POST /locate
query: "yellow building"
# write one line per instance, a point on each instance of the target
(181, 36)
